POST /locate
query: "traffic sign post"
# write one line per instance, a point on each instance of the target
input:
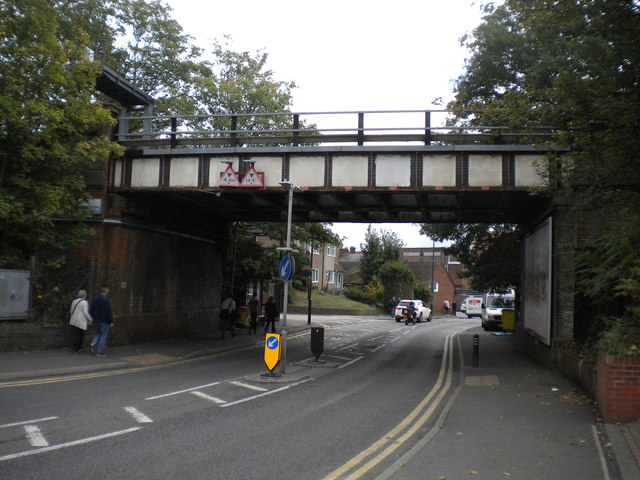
(272, 350)
(287, 268)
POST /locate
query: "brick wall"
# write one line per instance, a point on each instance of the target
(618, 387)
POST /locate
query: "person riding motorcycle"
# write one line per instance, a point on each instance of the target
(410, 314)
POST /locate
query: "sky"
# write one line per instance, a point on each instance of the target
(347, 55)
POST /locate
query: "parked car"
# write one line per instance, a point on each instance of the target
(492, 306)
(422, 311)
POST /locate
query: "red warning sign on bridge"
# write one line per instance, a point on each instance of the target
(229, 178)
(251, 178)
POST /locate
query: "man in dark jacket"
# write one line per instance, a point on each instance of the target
(100, 311)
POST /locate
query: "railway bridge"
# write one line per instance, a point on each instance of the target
(161, 212)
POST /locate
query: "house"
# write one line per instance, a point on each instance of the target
(429, 265)
(326, 271)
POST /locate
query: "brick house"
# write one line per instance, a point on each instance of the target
(429, 265)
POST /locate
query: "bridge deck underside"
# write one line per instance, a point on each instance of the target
(333, 205)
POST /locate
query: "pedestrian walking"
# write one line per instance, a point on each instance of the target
(271, 314)
(445, 307)
(454, 308)
(254, 311)
(100, 311)
(227, 315)
(79, 318)
(391, 306)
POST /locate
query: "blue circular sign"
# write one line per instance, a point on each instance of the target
(272, 343)
(286, 267)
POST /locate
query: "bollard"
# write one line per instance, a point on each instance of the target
(476, 349)
(317, 342)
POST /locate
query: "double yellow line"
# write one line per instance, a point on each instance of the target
(389, 443)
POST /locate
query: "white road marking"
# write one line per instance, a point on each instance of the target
(378, 347)
(250, 387)
(270, 392)
(28, 422)
(339, 358)
(349, 346)
(35, 437)
(68, 444)
(138, 415)
(351, 362)
(209, 397)
(182, 391)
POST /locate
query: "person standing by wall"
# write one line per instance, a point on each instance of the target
(100, 311)
(227, 315)
(445, 306)
(80, 318)
(270, 313)
(254, 311)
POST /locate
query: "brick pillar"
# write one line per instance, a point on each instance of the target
(618, 387)
(564, 243)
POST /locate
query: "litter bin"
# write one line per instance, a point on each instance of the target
(243, 315)
(508, 319)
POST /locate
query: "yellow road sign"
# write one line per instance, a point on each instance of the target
(272, 350)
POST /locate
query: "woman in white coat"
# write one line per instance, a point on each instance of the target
(80, 318)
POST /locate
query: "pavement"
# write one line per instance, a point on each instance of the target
(510, 417)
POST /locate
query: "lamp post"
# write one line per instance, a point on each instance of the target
(288, 249)
(310, 282)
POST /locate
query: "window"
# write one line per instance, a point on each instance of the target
(330, 276)
(316, 250)
(331, 250)
(315, 273)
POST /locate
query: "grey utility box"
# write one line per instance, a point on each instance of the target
(14, 294)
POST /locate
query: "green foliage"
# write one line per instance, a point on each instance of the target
(610, 270)
(572, 66)
(569, 65)
(398, 280)
(422, 292)
(48, 133)
(490, 252)
(358, 294)
(374, 291)
(378, 249)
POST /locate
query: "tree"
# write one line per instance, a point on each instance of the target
(573, 66)
(490, 253)
(378, 249)
(397, 279)
(245, 259)
(48, 133)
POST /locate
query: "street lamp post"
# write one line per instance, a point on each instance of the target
(288, 249)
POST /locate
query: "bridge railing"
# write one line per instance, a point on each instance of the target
(423, 127)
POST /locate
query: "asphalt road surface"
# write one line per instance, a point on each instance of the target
(379, 391)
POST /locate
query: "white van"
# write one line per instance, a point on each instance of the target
(492, 305)
(474, 306)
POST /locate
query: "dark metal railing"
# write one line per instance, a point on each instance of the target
(297, 129)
